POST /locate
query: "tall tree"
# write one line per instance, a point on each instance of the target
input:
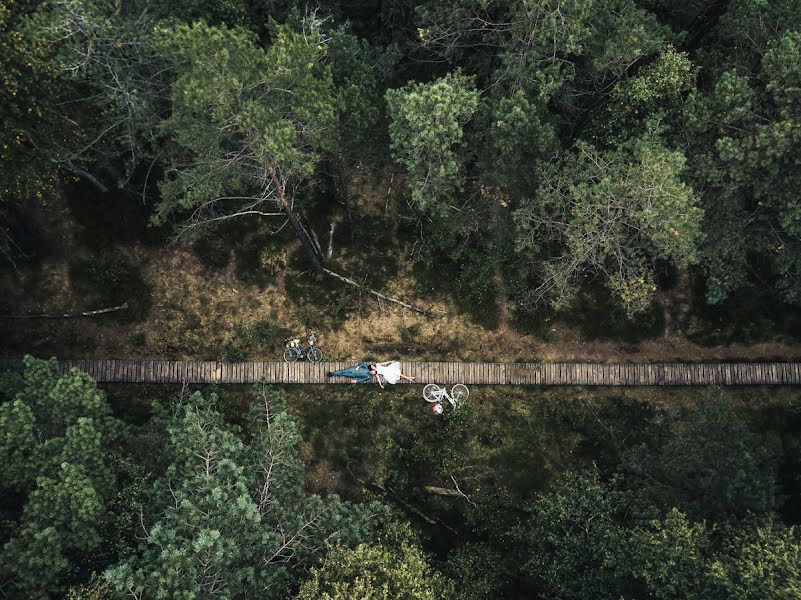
(757, 560)
(426, 127)
(247, 125)
(63, 445)
(609, 214)
(360, 71)
(705, 460)
(112, 88)
(397, 569)
(742, 135)
(231, 518)
(587, 539)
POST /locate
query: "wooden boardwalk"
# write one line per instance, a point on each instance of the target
(585, 374)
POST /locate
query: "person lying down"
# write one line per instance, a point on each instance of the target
(363, 372)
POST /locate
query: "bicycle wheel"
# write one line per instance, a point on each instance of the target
(315, 354)
(432, 392)
(459, 392)
(291, 354)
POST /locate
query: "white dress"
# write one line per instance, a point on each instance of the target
(391, 372)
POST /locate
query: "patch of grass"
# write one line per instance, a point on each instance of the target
(320, 302)
(108, 280)
(262, 337)
(234, 354)
(259, 257)
(476, 289)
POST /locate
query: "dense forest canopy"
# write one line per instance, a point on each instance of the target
(548, 152)
(562, 497)
(593, 139)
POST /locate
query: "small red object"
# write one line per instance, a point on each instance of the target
(437, 408)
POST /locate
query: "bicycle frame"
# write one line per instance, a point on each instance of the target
(303, 351)
(442, 394)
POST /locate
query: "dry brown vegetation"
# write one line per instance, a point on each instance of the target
(198, 311)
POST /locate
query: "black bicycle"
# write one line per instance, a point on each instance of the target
(295, 351)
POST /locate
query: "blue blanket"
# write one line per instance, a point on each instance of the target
(360, 373)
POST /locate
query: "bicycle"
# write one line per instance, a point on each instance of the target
(295, 351)
(436, 394)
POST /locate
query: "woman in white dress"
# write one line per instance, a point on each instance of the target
(390, 371)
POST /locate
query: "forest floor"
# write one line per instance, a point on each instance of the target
(238, 294)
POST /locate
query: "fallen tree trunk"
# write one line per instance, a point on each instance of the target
(349, 281)
(314, 251)
(88, 313)
(441, 491)
(390, 492)
(300, 231)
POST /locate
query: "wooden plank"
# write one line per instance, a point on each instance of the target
(444, 372)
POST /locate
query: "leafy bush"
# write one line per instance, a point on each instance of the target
(234, 354)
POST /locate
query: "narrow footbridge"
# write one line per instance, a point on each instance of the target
(585, 374)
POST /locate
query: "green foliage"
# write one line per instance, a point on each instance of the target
(360, 72)
(759, 561)
(612, 215)
(97, 589)
(70, 504)
(37, 560)
(558, 50)
(655, 95)
(586, 539)
(376, 572)
(270, 109)
(705, 460)
(742, 133)
(61, 441)
(109, 280)
(426, 127)
(232, 512)
(17, 443)
(215, 12)
(110, 84)
(27, 95)
(518, 133)
(479, 571)
(234, 354)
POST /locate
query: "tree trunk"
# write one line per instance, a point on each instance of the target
(280, 197)
(87, 313)
(379, 295)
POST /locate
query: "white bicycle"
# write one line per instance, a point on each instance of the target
(436, 394)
